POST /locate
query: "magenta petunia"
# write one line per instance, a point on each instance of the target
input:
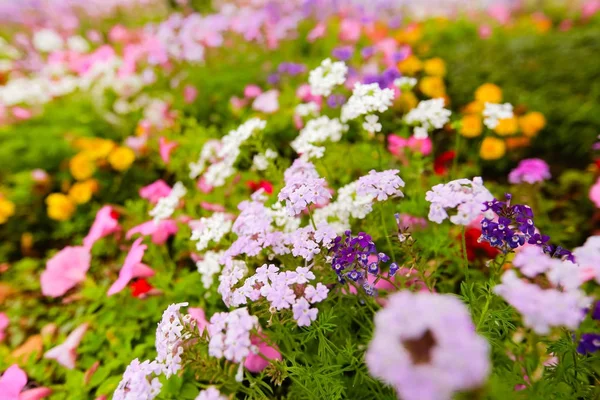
(531, 170)
(65, 270)
(132, 268)
(106, 223)
(166, 148)
(160, 231)
(155, 191)
(259, 361)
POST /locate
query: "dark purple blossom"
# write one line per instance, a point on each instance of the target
(589, 343)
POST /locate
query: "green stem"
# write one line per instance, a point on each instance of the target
(464, 251)
(385, 233)
(312, 221)
(483, 312)
(455, 160)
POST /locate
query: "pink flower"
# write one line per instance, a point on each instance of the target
(65, 270)
(136, 143)
(212, 207)
(199, 317)
(485, 31)
(65, 353)
(118, 34)
(39, 175)
(255, 362)
(106, 223)
(350, 30)
(530, 170)
(237, 103)
(160, 231)
(166, 148)
(252, 91)
(189, 94)
(303, 93)
(132, 267)
(3, 325)
(500, 13)
(14, 380)
(590, 8)
(317, 32)
(267, 102)
(155, 191)
(21, 113)
(397, 144)
(203, 186)
(35, 394)
(595, 193)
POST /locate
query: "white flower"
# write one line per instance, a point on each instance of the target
(78, 44)
(261, 161)
(371, 124)
(306, 109)
(47, 41)
(495, 112)
(169, 339)
(428, 115)
(405, 82)
(212, 228)
(326, 76)
(208, 267)
(366, 99)
(165, 207)
(317, 131)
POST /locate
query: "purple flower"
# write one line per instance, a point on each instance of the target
(530, 170)
(589, 343)
(343, 53)
(291, 69)
(303, 314)
(414, 351)
(596, 311)
(300, 193)
(367, 52)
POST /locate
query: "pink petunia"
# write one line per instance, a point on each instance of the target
(132, 268)
(166, 148)
(21, 113)
(350, 30)
(595, 193)
(160, 232)
(252, 91)
(14, 380)
(199, 317)
(317, 32)
(65, 270)
(106, 223)
(65, 353)
(257, 362)
(267, 102)
(155, 191)
(203, 186)
(212, 207)
(189, 94)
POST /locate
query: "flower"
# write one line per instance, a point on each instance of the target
(494, 113)
(165, 148)
(488, 93)
(65, 353)
(64, 270)
(442, 162)
(380, 185)
(140, 287)
(471, 126)
(60, 207)
(165, 206)
(589, 343)
(230, 334)
(396, 144)
(81, 192)
(405, 83)
(12, 383)
(170, 336)
(189, 94)
(414, 351)
(432, 86)
(492, 148)
(303, 314)
(435, 67)
(121, 158)
(105, 223)
(595, 193)
(257, 362)
(208, 266)
(138, 381)
(467, 196)
(7, 209)
(428, 115)
(160, 231)
(530, 170)
(326, 76)
(82, 166)
(317, 131)
(47, 41)
(506, 126)
(210, 393)
(213, 228)
(531, 123)
(267, 102)
(366, 99)
(154, 191)
(298, 194)
(371, 124)
(411, 65)
(198, 317)
(132, 268)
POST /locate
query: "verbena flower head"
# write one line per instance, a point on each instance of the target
(170, 336)
(414, 350)
(428, 115)
(380, 185)
(493, 113)
(213, 228)
(465, 195)
(210, 393)
(371, 123)
(139, 381)
(326, 76)
(588, 258)
(348, 204)
(366, 99)
(531, 170)
(298, 194)
(317, 131)
(165, 207)
(405, 82)
(230, 334)
(208, 266)
(589, 343)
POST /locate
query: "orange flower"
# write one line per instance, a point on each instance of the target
(506, 127)
(488, 93)
(474, 107)
(60, 207)
(516, 142)
(82, 166)
(410, 65)
(435, 67)
(121, 158)
(531, 123)
(432, 86)
(492, 148)
(471, 126)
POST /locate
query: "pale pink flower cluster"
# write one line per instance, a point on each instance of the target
(467, 196)
(380, 185)
(230, 334)
(139, 381)
(170, 336)
(298, 194)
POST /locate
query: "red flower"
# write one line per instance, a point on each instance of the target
(262, 184)
(476, 249)
(443, 161)
(140, 287)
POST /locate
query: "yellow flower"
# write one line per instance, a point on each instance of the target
(406, 101)
(410, 66)
(531, 123)
(121, 158)
(507, 127)
(81, 192)
(474, 107)
(488, 92)
(7, 209)
(432, 86)
(82, 166)
(435, 67)
(410, 34)
(492, 148)
(470, 126)
(60, 207)
(95, 148)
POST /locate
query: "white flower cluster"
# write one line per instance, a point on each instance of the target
(282, 219)
(463, 194)
(209, 266)
(306, 109)
(169, 339)
(326, 76)
(139, 381)
(493, 113)
(47, 41)
(348, 204)
(366, 99)
(261, 161)
(371, 123)
(315, 132)
(430, 114)
(227, 153)
(208, 155)
(405, 82)
(588, 257)
(211, 228)
(165, 207)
